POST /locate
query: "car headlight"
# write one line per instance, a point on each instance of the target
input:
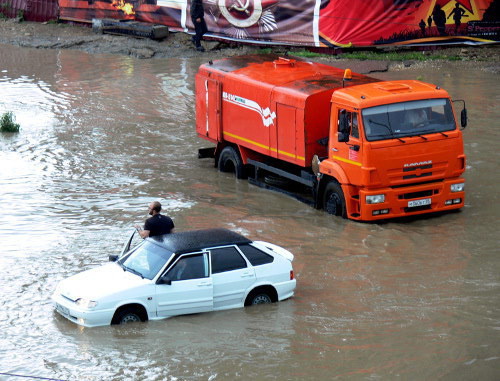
(375, 199)
(85, 303)
(457, 187)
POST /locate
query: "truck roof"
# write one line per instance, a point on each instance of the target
(369, 95)
(292, 73)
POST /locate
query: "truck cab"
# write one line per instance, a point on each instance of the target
(395, 150)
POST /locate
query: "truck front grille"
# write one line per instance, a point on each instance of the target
(422, 194)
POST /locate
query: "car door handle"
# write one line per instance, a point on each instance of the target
(247, 275)
(205, 284)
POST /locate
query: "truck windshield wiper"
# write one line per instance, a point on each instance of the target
(125, 268)
(388, 128)
(419, 135)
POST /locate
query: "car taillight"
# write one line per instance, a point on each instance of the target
(291, 275)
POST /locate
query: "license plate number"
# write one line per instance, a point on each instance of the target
(423, 202)
(62, 309)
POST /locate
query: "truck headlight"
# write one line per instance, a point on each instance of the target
(375, 199)
(85, 303)
(457, 187)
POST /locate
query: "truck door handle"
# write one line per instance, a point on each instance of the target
(335, 150)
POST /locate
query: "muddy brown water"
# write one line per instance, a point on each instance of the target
(103, 135)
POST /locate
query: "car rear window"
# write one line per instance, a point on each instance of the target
(256, 256)
(226, 259)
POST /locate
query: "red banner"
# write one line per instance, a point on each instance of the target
(320, 23)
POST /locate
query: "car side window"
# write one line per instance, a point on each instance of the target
(189, 267)
(226, 259)
(256, 256)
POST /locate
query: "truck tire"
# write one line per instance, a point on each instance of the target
(230, 161)
(333, 200)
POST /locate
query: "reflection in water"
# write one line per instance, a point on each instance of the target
(102, 136)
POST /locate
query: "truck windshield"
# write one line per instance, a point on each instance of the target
(413, 118)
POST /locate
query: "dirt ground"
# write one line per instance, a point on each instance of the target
(82, 37)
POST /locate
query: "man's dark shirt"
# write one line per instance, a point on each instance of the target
(158, 225)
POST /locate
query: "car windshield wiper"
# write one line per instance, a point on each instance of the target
(133, 271)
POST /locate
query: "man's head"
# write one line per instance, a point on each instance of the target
(154, 208)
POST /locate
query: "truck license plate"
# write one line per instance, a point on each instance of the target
(414, 203)
(63, 310)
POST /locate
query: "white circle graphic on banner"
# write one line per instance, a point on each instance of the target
(241, 13)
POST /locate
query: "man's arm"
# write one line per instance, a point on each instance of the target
(143, 233)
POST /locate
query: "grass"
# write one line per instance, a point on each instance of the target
(8, 123)
(385, 56)
(378, 55)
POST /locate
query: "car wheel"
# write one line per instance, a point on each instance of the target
(334, 202)
(230, 161)
(127, 316)
(260, 298)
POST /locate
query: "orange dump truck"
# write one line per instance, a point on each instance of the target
(356, 146)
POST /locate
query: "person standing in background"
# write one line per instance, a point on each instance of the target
(198, 19)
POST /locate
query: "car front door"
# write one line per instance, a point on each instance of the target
(186, 287)
(231, 277)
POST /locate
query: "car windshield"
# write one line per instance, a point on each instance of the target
(146, 260)
(406, 119)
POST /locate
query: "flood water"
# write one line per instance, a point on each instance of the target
(103, 135)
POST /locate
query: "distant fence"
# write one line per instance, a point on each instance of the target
(31, 10)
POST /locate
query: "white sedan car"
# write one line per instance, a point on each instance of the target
(176, 274)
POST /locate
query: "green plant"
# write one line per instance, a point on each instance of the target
(20, 15)
(3, 8)
(8, 123)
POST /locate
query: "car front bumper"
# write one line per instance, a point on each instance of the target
(81, 316)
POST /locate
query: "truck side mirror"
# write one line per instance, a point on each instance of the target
(343, 127)
(463, 118)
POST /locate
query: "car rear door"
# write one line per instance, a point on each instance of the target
(231, 276)
(187, 287)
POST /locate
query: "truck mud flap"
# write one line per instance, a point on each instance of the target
(204, 153)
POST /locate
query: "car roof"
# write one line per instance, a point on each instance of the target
(193, 240)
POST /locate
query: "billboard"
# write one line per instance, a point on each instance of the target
(313, 23)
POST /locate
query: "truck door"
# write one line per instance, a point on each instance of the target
(286, 133)
(208, 108)
(348, 153)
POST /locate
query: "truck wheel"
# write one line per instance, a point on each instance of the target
(230, 161)
(333, 201)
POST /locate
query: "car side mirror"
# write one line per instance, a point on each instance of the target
(165, 280)
(113, 257)
(463, 118)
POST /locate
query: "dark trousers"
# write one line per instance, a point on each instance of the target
(200, 28)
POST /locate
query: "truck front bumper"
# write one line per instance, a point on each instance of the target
(410, 200)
